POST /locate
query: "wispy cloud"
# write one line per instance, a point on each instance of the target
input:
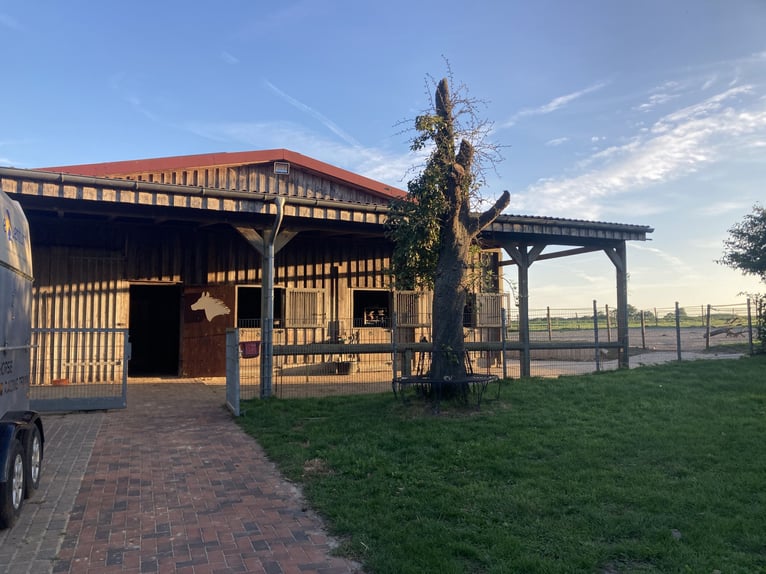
(709, 82)
(556, 142)
(676, 145)
(720, 207)
(120, 83)
(673, 262)
(229, 58)
(324, 120)
(376, 164)
(553, 105)
(662, 94)
(656, 100)
(136, 103)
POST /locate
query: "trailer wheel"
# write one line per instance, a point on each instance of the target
(34, 460)
(12, 490)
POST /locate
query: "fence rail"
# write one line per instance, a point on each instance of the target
(309, 363)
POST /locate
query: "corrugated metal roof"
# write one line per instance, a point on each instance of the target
(546, 220)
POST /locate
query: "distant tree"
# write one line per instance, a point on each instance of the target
(648, 315)
(434, 228)
(745, 248)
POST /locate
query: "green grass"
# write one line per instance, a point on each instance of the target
(657, 469)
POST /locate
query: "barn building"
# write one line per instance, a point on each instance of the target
(172, 249)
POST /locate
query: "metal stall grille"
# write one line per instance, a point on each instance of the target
(79, 369)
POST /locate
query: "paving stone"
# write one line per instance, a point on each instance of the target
(170, 484)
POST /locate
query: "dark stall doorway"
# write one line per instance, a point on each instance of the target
(154, 330)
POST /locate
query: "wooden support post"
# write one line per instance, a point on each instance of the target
(524, 256)
(618, 255)
(526, 361)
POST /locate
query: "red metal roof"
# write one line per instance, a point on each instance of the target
(123, 168)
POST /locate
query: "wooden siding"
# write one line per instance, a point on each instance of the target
(260, 178)
(83, 287)
(79, 298)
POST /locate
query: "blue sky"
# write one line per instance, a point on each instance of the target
(644, 112)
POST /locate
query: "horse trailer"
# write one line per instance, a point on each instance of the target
(21, 430)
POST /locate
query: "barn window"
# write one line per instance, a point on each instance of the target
(490, 278)
(249, 306)
(483, 309)
(305, 308)
(413, 308)
(372, 308)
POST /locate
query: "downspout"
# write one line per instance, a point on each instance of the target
(267, 302)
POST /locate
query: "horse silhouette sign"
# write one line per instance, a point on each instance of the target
(211, 306)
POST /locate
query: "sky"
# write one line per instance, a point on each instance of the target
(647, 112)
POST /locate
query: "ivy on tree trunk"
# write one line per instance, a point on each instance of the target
(434, 230)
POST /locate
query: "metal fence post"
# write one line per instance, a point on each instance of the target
(550, 330)
(232, 371)
(750, 328)
(608, 325)
(595, 335)
(503, 339)
(393, 345)
(678, 330)
(643, 330)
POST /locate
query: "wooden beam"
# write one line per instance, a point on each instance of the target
(256, 239)
(557, 254)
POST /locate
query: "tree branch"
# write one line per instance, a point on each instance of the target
(479, 223)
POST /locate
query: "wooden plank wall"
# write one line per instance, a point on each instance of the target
(260, 178)
(88, 288)
(79, 295)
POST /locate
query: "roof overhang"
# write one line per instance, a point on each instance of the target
(130, 200)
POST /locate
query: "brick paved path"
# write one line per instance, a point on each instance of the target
(173, 485)
(30, 547)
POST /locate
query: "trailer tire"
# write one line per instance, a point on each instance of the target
(12, 490)
(33, 461)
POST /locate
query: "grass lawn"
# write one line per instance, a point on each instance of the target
(657, 469)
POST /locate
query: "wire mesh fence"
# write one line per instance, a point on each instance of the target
(365, 358)
(78, 368)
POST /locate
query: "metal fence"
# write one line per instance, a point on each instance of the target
(79, 369)
(655, 335)
(309, 363)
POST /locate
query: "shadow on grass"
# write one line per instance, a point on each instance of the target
(654, 469)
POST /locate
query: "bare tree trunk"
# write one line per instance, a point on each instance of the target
(449, 304)
(452, 170)
(458, 231)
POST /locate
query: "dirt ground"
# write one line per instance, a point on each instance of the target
(656, 338)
